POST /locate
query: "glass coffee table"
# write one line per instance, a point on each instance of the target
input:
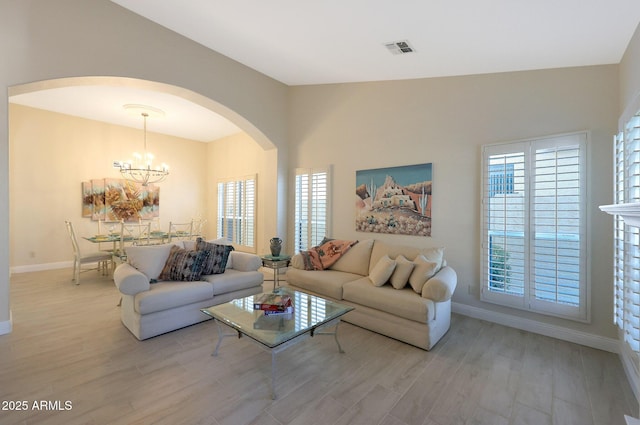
(276, 333)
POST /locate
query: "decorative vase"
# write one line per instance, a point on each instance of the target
(276, 246)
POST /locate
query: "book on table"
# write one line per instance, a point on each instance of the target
(286, 313)
(272, 302)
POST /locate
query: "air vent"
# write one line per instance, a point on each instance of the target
(399, 47)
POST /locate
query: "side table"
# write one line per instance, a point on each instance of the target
(276, 263)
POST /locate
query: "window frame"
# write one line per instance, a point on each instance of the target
(242, 210)
(311, 207)
(533, 238)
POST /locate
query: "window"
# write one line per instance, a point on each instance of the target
(534, 225)
(627, 238)
(311, 220)
(237, 211)
(500, 179)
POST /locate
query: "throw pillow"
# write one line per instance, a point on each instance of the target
(435, 255)
(184, 265)
(401, 274)
(382, 271)
(217, 261)
(149, 259)
(423, 270)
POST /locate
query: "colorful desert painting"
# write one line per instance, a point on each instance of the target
(394, 200)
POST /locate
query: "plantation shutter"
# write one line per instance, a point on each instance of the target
(619, 232)
(311, 206)
(504, 247)
(627, 238)
(558, 225)
(236, 212)
(534, 227)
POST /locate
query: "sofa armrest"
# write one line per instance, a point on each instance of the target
(297, 262)
(129, 280)
(441, 286)
(245, 262)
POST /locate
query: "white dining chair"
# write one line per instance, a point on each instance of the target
(134, 234)
(197, 227)
(103, 259)
(180, 231)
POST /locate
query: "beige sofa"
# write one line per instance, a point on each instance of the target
(149, 309)
(419, 319)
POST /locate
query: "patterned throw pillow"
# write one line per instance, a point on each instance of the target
(184, 265)
(219, 254)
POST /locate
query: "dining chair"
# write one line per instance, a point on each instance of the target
(197, 227)
(180, 231)
(103, 259)
(134, 234)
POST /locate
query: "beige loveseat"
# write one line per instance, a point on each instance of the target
(151, 308)
(418, 318)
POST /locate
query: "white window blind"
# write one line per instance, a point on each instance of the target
(237, 211)
(627, 238)
(534, 225)
(311, 200)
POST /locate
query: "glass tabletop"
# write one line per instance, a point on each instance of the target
(309, 313)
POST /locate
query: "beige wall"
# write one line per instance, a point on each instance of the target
(445, 121)
(51, 154)
(630, 73)
(237, 156)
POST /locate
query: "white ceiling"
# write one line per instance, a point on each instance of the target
(332, 41)
(335, 41)
(182, 118)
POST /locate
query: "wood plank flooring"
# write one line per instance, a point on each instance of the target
(68, 344)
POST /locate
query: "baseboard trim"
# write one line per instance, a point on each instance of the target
(41, 267)
(630, 369)
(7, 326)
(565, 334)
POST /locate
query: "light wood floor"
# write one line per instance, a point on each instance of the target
(68, 344)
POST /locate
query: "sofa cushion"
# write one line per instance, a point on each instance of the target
(326, 283)
(382, 271)
(149, 259)
(244, 261)
(401, 274)
(217, 260)
(423, 270)
(166, 295)
(184, 265)
(356, 260)
(233, 280)
(399, 302)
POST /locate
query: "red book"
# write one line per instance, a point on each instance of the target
(272, 302)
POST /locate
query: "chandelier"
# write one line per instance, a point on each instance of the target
(141, 168)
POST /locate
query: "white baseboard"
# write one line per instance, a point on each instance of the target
(7, 326)
(559, 332)
(630, 369)
(41, 267)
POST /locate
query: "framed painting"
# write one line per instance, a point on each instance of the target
(87, 199)
(395, 200)
(129, 201)
(113, 200)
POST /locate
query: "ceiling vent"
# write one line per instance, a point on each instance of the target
(399, 47)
